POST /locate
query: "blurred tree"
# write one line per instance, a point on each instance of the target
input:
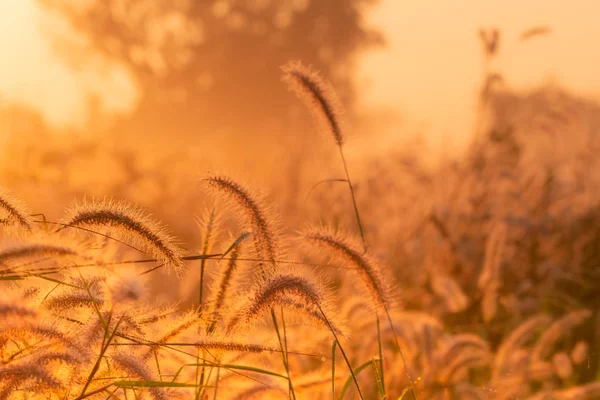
(213, 65)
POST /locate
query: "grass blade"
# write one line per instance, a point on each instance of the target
(343, 352)
(237, 241)
(381, 374)
(333, 346)
(233, 367)
(144, 384)
(283, 354)
(353, 376)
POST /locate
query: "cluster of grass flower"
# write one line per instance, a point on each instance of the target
(484, 289)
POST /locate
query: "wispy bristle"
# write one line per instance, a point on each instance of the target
(39, 378)
(351, 254)
(222, 281)
(176, 329)
(35, 250)
(131, 225)
(517, 338)
(50, 332)
(310, 312)
(253, 213)
(136, 368)
(209, 225)
(234, 346)
(155, 315)
(10, 306)
(17, 212)
(269, 294)
(318, 95)
(68, 301)
(559, 328)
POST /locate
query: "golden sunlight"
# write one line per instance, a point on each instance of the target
(432, 67)
(31, 72)
(299, 199)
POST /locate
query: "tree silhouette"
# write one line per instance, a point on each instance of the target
(213, 65)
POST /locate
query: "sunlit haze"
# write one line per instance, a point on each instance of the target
(299, 199)
(431, 68)
(32, 73)
(428, 72)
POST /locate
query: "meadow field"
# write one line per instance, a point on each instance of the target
(293, 265)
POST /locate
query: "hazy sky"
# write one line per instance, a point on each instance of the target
(432, 66)
(31, 72)
(430, 70)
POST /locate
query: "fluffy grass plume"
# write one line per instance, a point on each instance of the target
(70, 300)
(130, 225)
(223, 345)
(136, 369)
(516, 339)
(176, 329)
(54, 335)
(34, 250)
(309, 313)
(318, 95)
(16, 212)
(209, 226)
(497, 253)
(16, 307)
(222, 282)
(344, 251)
(29, 375)
(252, 211)
(558, 329)
(269, 294)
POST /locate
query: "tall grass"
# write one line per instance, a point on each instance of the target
(488, 284)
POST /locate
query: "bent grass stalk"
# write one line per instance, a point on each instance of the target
(17, 212)
(283, 355)
(46, 327)
(372, 275)
(252, 211)
(383, 393)
(130, 223)
(207, 227)
(320, 97)
(343, 354)
(268, 295)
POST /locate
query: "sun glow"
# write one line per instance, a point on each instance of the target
(31, 73)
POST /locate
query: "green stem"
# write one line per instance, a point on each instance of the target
(205, 249)
(381, 358)
(408, 374)
(284, 334)
(360, 227)
(283, 355)
(104, 348)
(217, 383)
(333, 369)
(342, 351)
(157, 364)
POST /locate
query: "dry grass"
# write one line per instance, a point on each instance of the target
(487, 270)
